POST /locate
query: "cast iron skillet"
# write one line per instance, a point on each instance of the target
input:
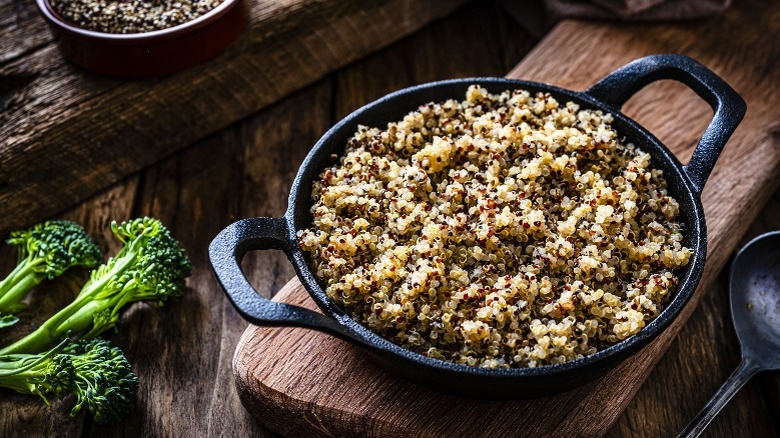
(685, 184)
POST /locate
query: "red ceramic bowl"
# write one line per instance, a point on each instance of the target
(150, 53)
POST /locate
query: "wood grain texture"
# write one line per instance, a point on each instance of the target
(246, 170)
(197, 192)
(176, 350)
(68, 133)
(22, 32)
(293, 379)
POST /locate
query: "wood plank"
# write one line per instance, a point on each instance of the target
(22, 31)
(67, 133)
(173, 369)
(183, 355)
(198, 193)
(470, 43)
(309, 386)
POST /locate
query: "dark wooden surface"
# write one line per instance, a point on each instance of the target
(68, 133)
(745, 169)
(182, 353)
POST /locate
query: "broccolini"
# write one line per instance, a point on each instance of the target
(46, 250)
(97, 373)
(150, 267)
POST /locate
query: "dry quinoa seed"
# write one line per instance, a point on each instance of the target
(131, 16)
(504, 230)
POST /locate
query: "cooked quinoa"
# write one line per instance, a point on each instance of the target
(505, 230)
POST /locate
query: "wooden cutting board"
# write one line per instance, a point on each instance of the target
(303, 383)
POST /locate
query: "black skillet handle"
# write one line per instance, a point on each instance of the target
(226, 252)
(729, 107)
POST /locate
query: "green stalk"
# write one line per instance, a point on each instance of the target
(51, 331)
(8, 282)
(72, 319)
(16, 371)
(87, 293)
(11, 280)
(84, 318)
(9, 301)
(121, 262)
(17, 381)
(9, 364)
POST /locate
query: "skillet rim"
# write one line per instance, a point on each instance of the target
(689, 278)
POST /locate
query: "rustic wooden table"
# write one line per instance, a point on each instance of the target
(182, 353)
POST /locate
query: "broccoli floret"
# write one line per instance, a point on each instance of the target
(97, 373)
(150, 267)
(41, 374)
(45, 251)
(105, 383)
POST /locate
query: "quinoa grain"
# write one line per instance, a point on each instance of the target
(131, 16)
(505, 230)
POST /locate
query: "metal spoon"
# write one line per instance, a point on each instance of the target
(755, 309)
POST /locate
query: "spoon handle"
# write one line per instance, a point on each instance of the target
(746, 369)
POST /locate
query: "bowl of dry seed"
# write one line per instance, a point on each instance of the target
(143, 38)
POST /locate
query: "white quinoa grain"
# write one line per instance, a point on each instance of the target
(505, 230)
